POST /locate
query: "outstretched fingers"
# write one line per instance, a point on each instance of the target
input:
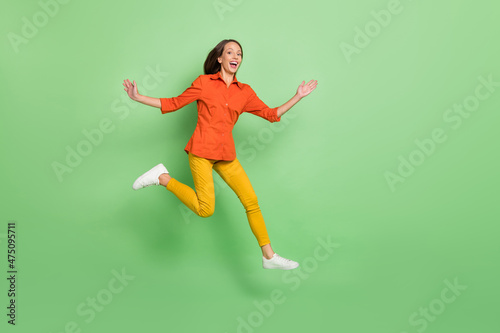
(127, 84)
(306, 88)
(312, 84)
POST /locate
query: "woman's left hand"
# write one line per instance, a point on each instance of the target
(305, 89)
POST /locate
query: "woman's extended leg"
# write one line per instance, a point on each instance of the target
(235, 176)
(201, 201)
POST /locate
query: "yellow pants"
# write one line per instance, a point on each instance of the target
(202, 202)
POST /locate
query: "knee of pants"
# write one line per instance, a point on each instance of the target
(250, 201)
(206, 212)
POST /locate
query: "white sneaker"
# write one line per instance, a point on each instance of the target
(150, 178)
(278, 262)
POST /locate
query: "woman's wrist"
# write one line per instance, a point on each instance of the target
(151, 101)
(138, 98)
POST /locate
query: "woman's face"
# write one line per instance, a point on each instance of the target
(231, 58)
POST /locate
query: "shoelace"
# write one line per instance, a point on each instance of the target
(283, 260)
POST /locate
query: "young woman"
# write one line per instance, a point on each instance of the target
(221, 98)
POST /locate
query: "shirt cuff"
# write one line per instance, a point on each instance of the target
(164, 105)
(275, 117)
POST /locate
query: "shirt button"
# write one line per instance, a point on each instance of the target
(222, 134)
(226, 104)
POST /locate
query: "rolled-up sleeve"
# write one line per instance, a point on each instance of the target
(257, 107)
(189, 95)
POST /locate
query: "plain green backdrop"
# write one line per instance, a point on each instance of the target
(392, 162)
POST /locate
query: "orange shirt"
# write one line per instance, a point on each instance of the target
(218, 110)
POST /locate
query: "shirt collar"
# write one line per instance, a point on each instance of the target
(219, 76)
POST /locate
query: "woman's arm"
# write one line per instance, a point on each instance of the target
(151, 101)
(131, 89)
(170, 104)
(302, 91)
(288, 105)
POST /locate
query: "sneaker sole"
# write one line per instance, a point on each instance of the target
(137, 184)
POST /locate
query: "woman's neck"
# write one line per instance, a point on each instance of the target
(227, 77)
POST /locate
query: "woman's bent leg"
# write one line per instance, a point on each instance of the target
(233, 174)
(201, 202)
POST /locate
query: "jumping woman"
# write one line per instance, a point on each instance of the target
(221, 99)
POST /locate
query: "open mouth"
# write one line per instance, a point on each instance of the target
(233, 64)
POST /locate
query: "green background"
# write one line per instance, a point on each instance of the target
(321, 174)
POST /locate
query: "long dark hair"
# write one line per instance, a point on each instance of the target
(211, 65)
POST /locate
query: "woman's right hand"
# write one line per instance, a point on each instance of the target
(131, 89)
